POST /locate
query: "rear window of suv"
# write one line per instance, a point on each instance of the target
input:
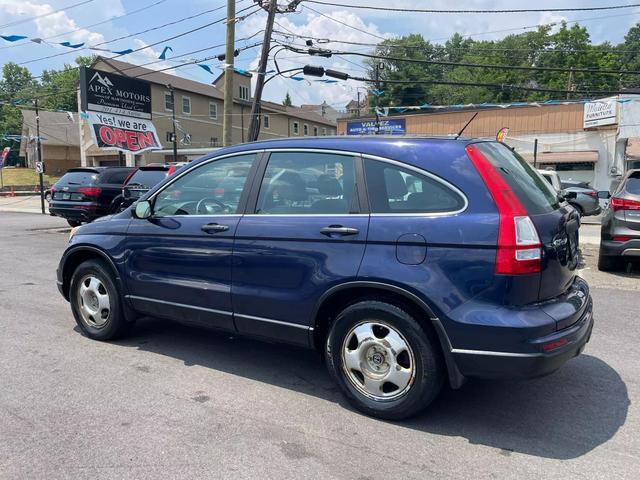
(147, 178)
(84, 177)
(534, 192)
(633, 184)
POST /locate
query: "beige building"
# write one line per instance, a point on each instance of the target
(59, 138)
(199, 112)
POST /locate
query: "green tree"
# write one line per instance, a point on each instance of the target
(59, 86)
(287, 100)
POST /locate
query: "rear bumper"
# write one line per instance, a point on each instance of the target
(487, 341)
(486, 364)
(630, 248)
(78, 212)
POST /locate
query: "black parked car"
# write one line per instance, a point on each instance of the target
(84, 194)
(620, 233)
(140, 182)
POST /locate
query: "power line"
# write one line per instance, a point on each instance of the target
(345, 24)
(477, 65)
(432, 10)
(111, 19)
(26, 20)
(158, 27)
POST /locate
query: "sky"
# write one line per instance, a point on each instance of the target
(95, 22)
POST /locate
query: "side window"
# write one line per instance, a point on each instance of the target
(212, 189)
(307, 183)
(393, 189)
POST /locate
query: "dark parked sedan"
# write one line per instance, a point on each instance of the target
(586, 200)
(620, 233)
(140, 182)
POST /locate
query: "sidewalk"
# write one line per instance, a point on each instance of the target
(22, 204)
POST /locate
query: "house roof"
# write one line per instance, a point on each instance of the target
(186, 85)
(56, 128)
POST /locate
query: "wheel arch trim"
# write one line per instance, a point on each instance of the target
(72, 252)
(456, 379)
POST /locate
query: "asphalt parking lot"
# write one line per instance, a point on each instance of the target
(178, 402)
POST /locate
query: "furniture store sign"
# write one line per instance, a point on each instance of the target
(127, 134)
(392, 126)
(600, 113)
(116, 94)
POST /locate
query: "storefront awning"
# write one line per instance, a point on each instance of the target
(586, 156)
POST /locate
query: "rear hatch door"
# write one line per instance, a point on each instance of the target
(556, 222)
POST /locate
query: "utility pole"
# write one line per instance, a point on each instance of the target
(39, 163)
(174, 137)
(227, 119)
(377, 98)
(254, 121)
(570, 84)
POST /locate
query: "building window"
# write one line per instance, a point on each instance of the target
(213, 141)
(213, 111)
(296, 128)
(267, 122)
(244, 92)
(186, 105)
(169, 137)
(168, 102)
(324, 131)
(305, 130)
(315, 131)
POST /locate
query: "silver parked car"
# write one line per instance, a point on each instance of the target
(620, 233)
(579, 194)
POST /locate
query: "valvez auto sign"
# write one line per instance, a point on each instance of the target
(110, 93)
(123, 133)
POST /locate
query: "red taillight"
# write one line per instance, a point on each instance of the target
(53, 189)
(555, 344)
(621, 238)
(519, 250)
(90, 191)
(171, 171)
(592, 194)
(624, 204)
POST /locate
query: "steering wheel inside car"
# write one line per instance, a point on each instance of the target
(209, 205)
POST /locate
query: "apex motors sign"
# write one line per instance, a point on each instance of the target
(123, 133)
(110, 93)
(118, 109)
(600, 113)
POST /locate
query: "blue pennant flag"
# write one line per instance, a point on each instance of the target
(205, 67)
(377, 93)
(425, 105)
(124, 52)
(241, 72)
(13, 38)
(399, 109)
(163, 55)
(72, 45)
(297, 79)
(84, 115)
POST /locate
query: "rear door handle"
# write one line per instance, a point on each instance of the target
(214, 228)
(338, 230)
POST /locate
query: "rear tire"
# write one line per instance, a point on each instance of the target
(384, 362)
(74, 223)
(610, 264)
(96, 303)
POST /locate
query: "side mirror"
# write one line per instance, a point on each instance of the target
(604, 195)
(142, 210)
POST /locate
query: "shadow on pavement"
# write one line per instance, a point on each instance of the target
(561, 416)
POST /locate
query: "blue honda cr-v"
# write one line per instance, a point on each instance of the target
(406, 261)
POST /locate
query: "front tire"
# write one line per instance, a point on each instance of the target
(95, 301)
(385, 363)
